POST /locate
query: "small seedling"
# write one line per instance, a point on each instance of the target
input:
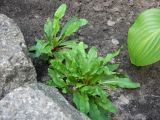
(55, 35)
(88, 77)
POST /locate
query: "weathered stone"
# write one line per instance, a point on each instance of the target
(15, 66)
(37, 102)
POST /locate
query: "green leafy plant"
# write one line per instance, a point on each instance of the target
(55, 35)
(88, 77)
(144, 38)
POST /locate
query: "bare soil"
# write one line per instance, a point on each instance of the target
(109, 21)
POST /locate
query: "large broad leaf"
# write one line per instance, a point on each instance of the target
(81, 101)
(144, 38)
(122, 82)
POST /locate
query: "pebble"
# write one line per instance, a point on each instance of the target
(98, 8)
(115, 41)
(111, 23)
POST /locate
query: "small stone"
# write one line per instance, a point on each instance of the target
(110, 23)
(37, 16)
(98, 8)
(116, 9)
(115, 41)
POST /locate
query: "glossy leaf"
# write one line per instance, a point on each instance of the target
(144, 38)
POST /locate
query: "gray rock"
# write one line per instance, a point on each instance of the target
(37, 102)
(15, 66)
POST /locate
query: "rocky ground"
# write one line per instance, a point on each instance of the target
(109, 21)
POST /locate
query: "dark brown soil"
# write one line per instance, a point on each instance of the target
(109, 20)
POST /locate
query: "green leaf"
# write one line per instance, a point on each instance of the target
(83, 22)
(92, 54)
(60, 12)
(122, 82)
(72, 28)
(71, 21)
(48, 30)
(109, 57)
(94, 91)
(56, 79)
(59, 66)
(113, 67)
(82, 102)
(106, 105)
(56, 26)
(94, 112)
(144, 38)
(41, 47)
(107, 71)
(70, 44)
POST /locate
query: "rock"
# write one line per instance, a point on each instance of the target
(37, 102)
(15, 66)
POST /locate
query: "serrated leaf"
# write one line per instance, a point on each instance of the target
(56, 79)
(109, 57)
(113, 67)
(59, 66)
(122, 82)
(94, 112)
(92, 54)
(144, 39)
(60, 12)
(82, 102)
(106, 105)
(94, 91)
(41, 47)
(107, 71)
